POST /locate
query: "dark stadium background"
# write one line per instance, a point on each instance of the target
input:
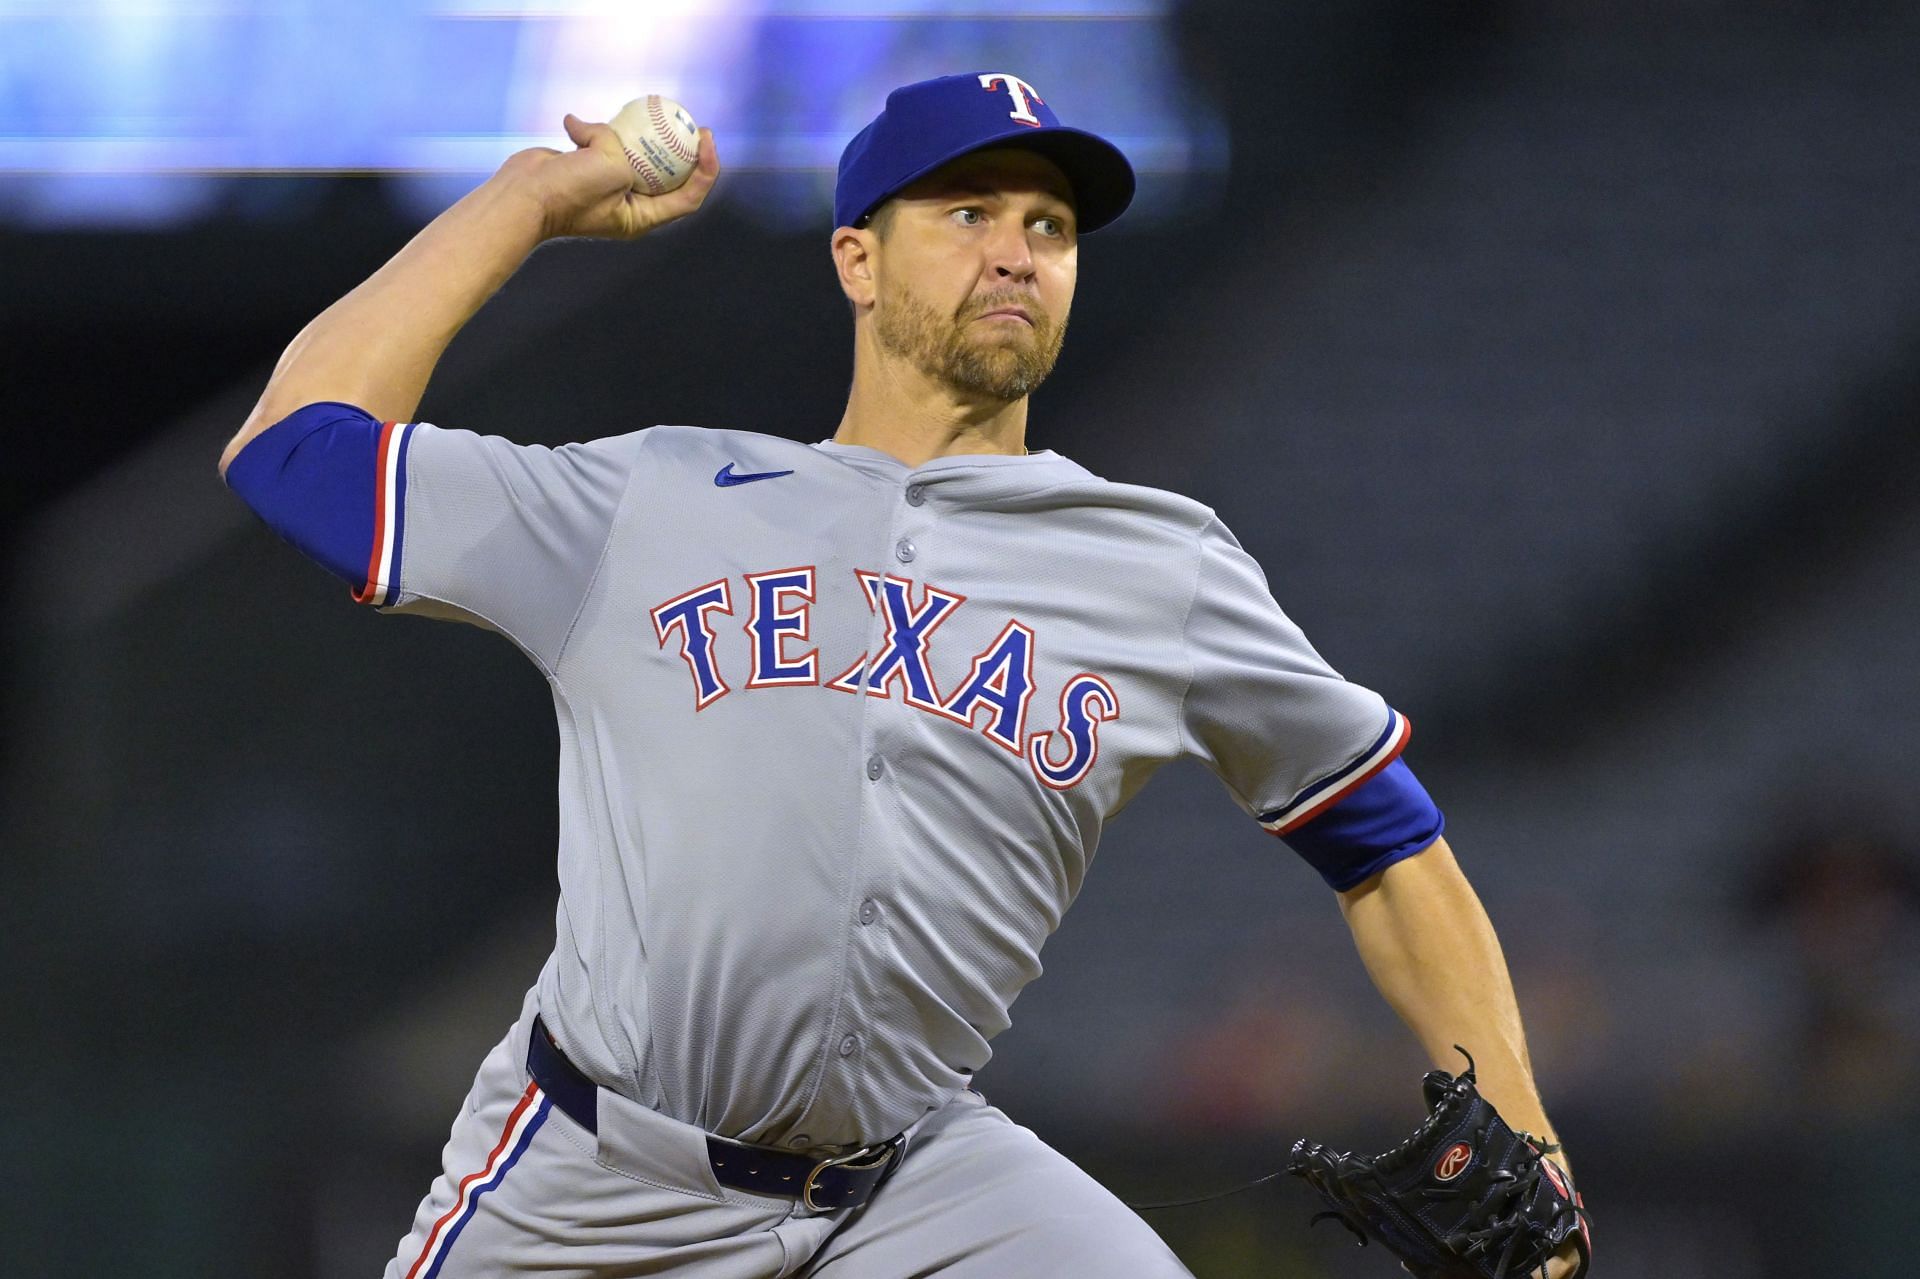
(1558, 361)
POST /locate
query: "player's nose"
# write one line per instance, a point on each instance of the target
(1009, 255)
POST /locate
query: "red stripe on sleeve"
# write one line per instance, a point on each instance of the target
(1401, 738)
(373, 586)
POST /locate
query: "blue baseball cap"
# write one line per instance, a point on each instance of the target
(929, 123)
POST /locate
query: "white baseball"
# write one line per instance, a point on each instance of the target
(661, 140)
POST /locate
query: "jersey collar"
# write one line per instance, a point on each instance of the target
(888, 463)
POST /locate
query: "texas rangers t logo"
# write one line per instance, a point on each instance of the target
(1022, 92)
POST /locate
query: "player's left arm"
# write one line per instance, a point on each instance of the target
(1317, 761)
(1431, 951)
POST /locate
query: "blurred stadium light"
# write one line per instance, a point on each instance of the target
(142, 112)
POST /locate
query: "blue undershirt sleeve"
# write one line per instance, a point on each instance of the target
(442, 522)
(1386, 819)
(313, 477)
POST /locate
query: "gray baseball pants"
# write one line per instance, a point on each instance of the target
(526, 1190)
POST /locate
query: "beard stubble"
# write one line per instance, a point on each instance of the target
(974, 359)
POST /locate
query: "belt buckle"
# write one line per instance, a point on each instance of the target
(876, 1156)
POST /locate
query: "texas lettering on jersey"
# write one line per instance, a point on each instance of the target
(999, 686)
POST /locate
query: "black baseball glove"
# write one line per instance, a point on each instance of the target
(1465, 1197)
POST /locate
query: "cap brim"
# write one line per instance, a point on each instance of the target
(1102, 178)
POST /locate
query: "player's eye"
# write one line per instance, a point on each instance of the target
(1050, 226)
(968, 216)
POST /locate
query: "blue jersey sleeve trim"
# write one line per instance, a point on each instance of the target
(1386, 819)
(389, 515)
(330, 479)
(1331, 790)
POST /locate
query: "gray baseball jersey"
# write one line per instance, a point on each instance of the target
(838, 736)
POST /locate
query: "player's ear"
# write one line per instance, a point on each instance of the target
(853, 259)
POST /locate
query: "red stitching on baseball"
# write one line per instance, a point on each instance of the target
(656, 183)
(669, 135)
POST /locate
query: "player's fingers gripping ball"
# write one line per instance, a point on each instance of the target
(661, 141)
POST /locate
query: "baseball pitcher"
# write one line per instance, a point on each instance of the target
(840, 725)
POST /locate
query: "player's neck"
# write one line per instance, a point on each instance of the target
(898, 410)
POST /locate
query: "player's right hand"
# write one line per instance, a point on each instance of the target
(589, 191)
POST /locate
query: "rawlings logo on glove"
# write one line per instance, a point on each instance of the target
(1465, 1197)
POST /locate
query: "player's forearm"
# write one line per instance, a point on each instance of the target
(377, 346)
(1432, 952)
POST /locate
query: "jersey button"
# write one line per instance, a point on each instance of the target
(800, 1141)
(874, 769)
(849, 1045)
(916, 494)
(903, 550)
(869, 911)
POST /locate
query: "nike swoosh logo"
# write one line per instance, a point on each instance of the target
(725, 477)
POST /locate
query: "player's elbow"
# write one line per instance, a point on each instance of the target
(273, 410)
(231, 451)
(257, 421)
(269, 411)
(312, 476)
